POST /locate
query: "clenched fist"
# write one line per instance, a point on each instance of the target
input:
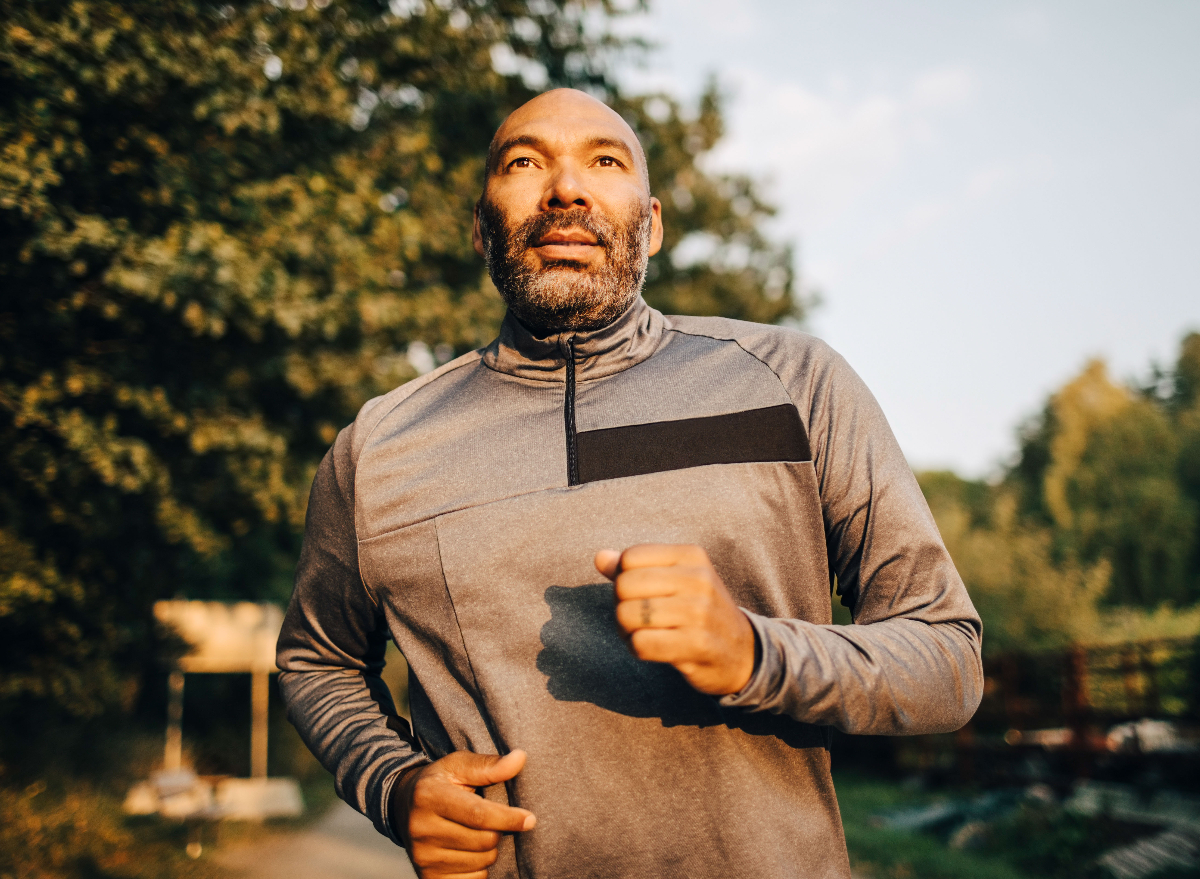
(449, 830)
(672, 607)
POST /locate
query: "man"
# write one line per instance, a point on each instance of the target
(671, 717)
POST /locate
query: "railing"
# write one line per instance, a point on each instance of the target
(1048, 715)
(1091, 685)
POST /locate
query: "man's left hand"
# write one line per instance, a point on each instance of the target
(672, 607)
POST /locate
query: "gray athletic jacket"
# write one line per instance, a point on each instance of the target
(459, 514)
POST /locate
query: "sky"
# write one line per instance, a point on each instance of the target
(986, 195)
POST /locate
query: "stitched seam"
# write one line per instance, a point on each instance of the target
(410, 388)
(478, 694)
(453, 510)
(362, 578)
(747, 351)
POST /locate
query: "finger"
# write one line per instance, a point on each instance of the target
(481, 770)
(440, 861)
(656, 582)
(662, 555)
(433, 829)
(608, 562)
(655, 613)
(664, 645)
(472, 810)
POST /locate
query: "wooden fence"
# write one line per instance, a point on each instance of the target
(1096, 686)
(1047, 716)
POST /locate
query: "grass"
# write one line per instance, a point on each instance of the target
(1035, 840)
(888, 854)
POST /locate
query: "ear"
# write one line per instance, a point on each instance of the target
(656, 226)
(477, 233)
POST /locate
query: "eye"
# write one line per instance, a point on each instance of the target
(522, 162)
(608, 162)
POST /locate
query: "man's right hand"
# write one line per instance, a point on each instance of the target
(450, 830)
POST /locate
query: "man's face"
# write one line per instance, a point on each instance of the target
(566, 222)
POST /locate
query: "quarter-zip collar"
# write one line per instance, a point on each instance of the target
(625, 342)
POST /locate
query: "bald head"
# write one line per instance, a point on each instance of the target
(557, 114)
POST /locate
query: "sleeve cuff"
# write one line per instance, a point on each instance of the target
(764, 680)
(386, 806)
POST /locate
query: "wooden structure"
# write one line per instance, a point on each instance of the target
(225, 638)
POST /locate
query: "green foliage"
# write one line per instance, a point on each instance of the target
(1114, 474)
(1028, 600)
(1131, 509)
(880, 853)
(52, 834)
(1093, 535)
(1047, 840)
(221, 227)
(1035, 840)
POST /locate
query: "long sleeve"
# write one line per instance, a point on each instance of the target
(331, 652)
(911, 663)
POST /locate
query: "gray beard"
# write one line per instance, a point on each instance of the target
(565, 294)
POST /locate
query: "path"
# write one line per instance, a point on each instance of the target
(342, 845)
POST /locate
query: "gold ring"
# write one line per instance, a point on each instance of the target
(645, 612)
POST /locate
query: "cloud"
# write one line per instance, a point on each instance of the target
(825, 148)
(826, 151)
(943, 87)
(990, 182)
(1030, 25)
(726, 18)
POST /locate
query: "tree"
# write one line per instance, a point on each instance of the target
(1093, 534)
(715, 257)
(221, 229)
(1110, 470)
(1030, 595)
(1028, 599)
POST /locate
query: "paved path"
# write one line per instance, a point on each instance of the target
(342, 845)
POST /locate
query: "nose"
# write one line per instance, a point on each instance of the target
(565, 191)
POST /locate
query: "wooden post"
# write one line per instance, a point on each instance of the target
(1133, 698)
(1077, 708)
(173, 756)
(1150, 701)
(1010, 690)
(260, 696)
(964, 747)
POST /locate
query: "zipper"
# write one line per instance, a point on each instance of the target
(569, 417)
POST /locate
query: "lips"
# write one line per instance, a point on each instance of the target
(567, 238)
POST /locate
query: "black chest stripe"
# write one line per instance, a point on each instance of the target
(771, 434)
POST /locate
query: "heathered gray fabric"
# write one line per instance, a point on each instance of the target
(443, 517)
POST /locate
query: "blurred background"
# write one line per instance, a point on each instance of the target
(225, 227)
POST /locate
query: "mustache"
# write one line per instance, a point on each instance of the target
(532, 230)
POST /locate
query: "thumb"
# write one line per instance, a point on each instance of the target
(481, 770)
(608, 563)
